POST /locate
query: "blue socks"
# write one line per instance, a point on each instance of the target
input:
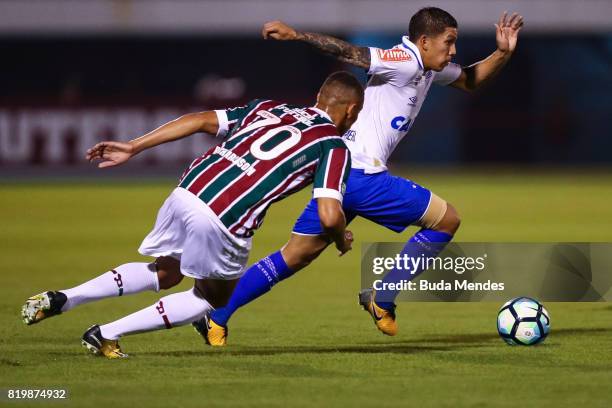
(266, 273)
(256, 281)
(424, 244)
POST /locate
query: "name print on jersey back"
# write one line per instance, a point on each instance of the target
(270, 151)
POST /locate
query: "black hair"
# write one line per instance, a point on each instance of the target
(430, 21)
(343, 81)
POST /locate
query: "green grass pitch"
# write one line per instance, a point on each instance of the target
(307, 343)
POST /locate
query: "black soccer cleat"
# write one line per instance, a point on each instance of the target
(93, 341)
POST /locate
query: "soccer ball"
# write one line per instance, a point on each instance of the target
(523, 321)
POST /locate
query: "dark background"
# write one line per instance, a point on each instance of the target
(551, 104)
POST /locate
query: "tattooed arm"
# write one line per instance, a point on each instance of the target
(358, 56)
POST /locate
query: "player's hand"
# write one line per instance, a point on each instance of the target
(347, 245)
(506, 31)
(111, 153)
(277, 30)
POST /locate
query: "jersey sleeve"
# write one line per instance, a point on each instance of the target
(228, 118)
(394, 65)
(332, 170)
(448, 75)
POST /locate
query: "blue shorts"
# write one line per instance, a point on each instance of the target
(390, 201)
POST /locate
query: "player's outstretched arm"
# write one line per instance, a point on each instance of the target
(506, 35)
(346, 52)
(115, 153)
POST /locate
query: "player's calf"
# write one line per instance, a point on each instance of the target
(124, 280)
(301, 250)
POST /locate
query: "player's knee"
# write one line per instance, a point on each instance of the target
(304, 260)
(168, 272)
(300, 251)
(298, 259)
(450, 222)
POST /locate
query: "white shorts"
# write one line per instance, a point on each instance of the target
(187, 229)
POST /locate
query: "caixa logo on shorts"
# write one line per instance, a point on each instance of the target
(401, 123)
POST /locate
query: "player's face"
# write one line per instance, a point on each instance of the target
(439, 50)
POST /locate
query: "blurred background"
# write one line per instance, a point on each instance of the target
(75, 72)
(527, 159)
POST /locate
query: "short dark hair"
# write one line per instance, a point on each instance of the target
(430, 21)
(343, 83)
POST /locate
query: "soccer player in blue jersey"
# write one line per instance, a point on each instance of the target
(399, 79)
(269, 150)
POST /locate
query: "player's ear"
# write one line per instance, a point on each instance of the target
(352, 110)
(424, 42)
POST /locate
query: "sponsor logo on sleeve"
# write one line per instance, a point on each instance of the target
(401, 123)
(350, 135)
(393, 55)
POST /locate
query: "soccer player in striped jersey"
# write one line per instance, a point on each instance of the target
(269, 151)
(399, 80)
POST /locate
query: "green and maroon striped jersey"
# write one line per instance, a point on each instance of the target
(270, 150)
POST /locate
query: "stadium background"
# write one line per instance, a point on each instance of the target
(525, 159)
(75, 72)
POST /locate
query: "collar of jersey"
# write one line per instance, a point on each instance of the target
(322, 113)
(411, 47)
